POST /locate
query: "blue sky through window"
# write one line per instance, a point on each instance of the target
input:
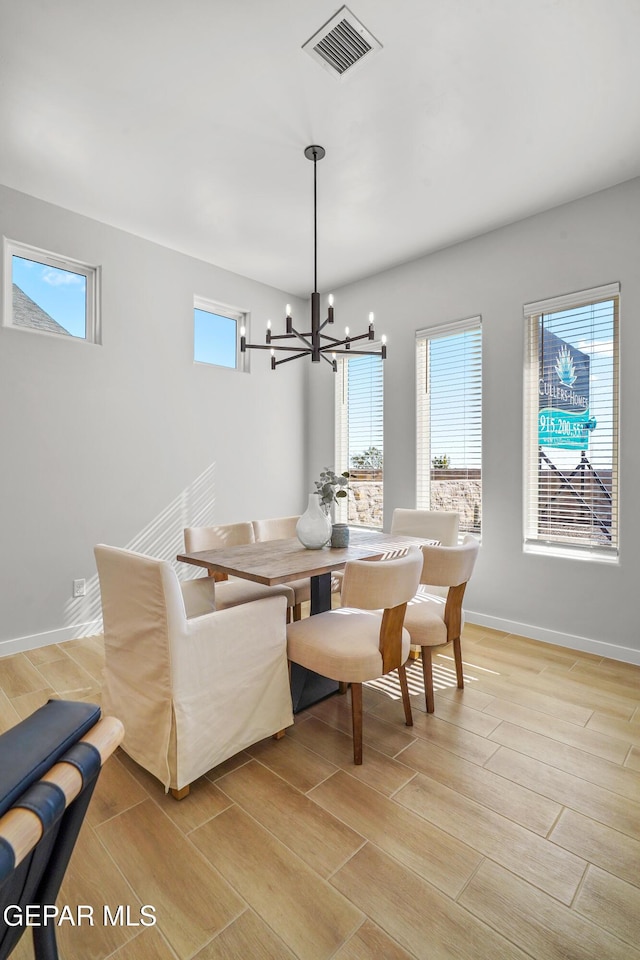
(60, 293)
(215, 338)
(365, 404)
(455, 395)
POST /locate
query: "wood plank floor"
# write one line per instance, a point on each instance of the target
(507, 825)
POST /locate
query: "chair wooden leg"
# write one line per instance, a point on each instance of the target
(457, 653)
(180, 794)
(279, 735)
(406, 702)
(297, 612)
(342, 687)
(356, 717)
(427, 673)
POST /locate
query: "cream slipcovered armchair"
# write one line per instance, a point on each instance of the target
(191, 684)
(432, 619)
(231, 592)
(363, 639)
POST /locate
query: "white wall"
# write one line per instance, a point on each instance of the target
(593, 241)
(128, 442)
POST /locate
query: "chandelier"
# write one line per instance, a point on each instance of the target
(314, 343)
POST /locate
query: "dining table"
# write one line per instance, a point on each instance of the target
(274, 562)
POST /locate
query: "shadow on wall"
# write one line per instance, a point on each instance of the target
(162, 538)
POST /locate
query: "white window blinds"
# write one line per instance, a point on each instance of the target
(449, 420)
(571, 422)
(359, 438)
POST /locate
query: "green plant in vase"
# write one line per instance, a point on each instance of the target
(331, 487)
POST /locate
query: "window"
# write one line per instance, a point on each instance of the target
(571, 423)
(216, 330)
(449, 420)
(359, 438)
(47, 293)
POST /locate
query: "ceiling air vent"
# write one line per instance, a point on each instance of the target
(342, 44)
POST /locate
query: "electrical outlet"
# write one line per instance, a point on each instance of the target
(79, 588)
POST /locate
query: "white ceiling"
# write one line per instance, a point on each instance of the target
(185, 122)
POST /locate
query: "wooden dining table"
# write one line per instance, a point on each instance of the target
(281, 561)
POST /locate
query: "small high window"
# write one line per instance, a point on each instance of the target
(49, 293)
(216, 334)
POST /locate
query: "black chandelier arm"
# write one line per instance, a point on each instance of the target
(288, 336)
(307, 333)
(300, 351)
(362, 336)
(302, 337)
(382, 352)
(266, 346)
(339, 343)
(275, 363)
(333, 362)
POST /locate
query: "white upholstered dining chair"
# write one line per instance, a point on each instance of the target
(229, 592)
(284, 528)
(364, 639)
(442, 525)
(192, 685)
(433, 619)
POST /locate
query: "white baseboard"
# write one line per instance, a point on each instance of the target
(598, 647)
(20, 644)
(612, 651)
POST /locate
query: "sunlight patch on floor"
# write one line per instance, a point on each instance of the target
(443, 677)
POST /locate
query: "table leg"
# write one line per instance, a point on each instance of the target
(320, 593)
(308, 687)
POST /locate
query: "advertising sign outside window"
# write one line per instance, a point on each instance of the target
(563, 388)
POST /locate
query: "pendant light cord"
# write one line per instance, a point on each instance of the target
(315, 226)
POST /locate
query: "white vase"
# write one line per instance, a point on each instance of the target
(314, 526)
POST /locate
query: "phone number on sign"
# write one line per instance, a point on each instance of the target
(560, 426)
